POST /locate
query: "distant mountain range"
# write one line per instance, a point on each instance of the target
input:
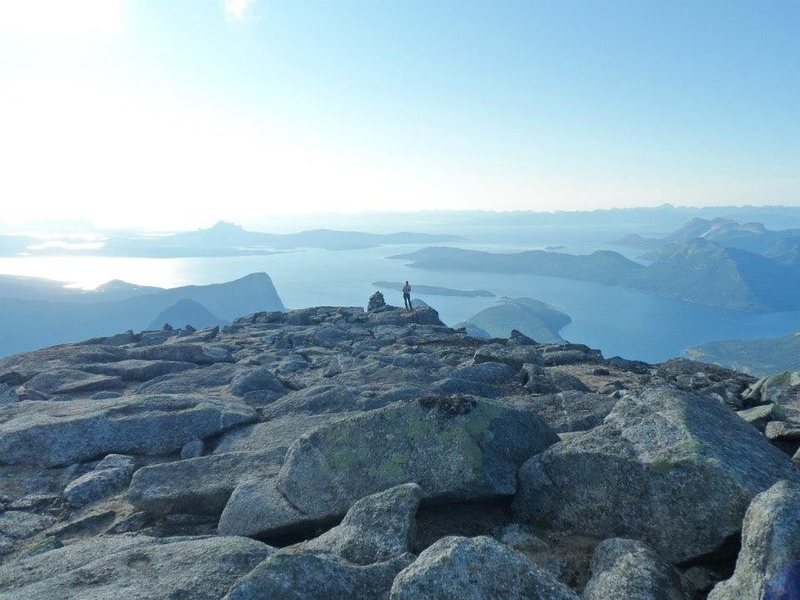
(758, 357)
(224, 239)
(754, 237)
(534, 318)
(696, 271)
(705, 272)
(37, 313)
(434, 290)
(601, 266)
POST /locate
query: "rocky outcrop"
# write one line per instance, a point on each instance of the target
(358, 558)
(476, 568)
(629, 569)
(769, 561)
(59, 433)
(111, 475)
(288, 576)
(133, 567)
(455, 448)
(348, 439)
(200, 485)
(674, 469)
(375, 529)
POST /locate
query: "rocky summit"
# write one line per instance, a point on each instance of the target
(341, 453)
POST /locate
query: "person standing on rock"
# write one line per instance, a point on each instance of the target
(407, 296)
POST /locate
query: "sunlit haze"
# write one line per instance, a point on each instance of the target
(175, 114)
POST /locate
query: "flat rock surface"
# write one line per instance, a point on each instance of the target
(59, 433)
(133, 567)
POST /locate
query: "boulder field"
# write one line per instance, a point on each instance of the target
(334, 452)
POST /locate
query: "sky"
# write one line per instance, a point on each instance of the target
(177, 113)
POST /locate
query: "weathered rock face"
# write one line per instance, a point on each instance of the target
(375, 529)
(514, 356)
(199, 485)
(60, 433)
(359, 558)
(288, 576)
(572, 410)
(629, 569)
(673, 469)
(280, 424)
(729, 387)
(475, 568)
(781, 388)
(133, 567)
(456, 449)
(68, 381)
(769, 561)
(111, 475)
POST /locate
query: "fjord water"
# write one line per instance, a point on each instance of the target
(616, 320)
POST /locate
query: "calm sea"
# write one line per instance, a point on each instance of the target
(618, 321)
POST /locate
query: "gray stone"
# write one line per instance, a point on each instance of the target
(140, 370)
(576, 355)
(211, 377)
(192, 353)
(273, 434)
(781, 388)
(291, 576)
(96, 485)
(69, 381)
(781, 431)
(193, 449)
(457, 386)
(390, 315)
(571, 411)
(631, 570)
(673, 469)
(376, 301)
(18, 525)
(455, 448)
(18, 369)
(116, 461)
(7, 545)
(258, 379)
(323, 398)
(106, 395)
(132, 522)
(7, 394)
(375, 529)
(759, 416)
(458, 568)
(38, 502)
(513, 356)
(61, 433)
(539, 380)
(497, 373)
(770, 548)
(83, 525)
(145, 568)
(520, 537)
(199, 485)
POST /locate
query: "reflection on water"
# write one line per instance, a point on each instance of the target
(87, 272)
(616, 320)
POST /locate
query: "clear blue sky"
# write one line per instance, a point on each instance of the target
(114, 108)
